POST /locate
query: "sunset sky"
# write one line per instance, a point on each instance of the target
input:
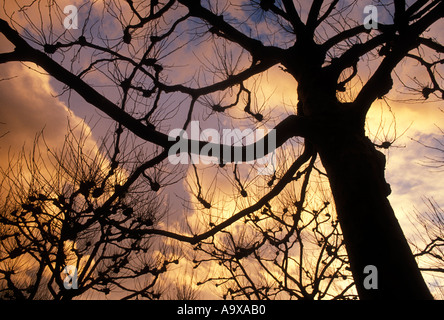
(30, 102)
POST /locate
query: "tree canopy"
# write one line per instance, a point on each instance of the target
(308, 227)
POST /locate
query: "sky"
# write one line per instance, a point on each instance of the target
(30, 103)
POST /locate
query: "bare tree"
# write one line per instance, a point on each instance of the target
(69, 227)
(292, 249)
(429, 238)
(175, 61)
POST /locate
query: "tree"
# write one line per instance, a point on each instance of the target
(341, 65)
(429, 240)
(69, 229)
(285, 251)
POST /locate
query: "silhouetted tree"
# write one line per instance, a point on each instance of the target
(291, 249)
(175, 61)
(428, 237)
(428, 241)
(69, 213)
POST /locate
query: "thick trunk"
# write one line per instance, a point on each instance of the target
(371, 231)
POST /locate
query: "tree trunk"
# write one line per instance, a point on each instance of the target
(372, 234)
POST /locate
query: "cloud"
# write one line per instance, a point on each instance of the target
(403, 124)
(28, 106)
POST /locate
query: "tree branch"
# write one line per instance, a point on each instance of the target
(290, 127)
(436, 87)
(327, 12)
(82, 88)
(10, 56)
(295, 20)
(344, 35)
(399, 11)
(432, 44)
(219, 86)
(380, 82)
(287, 178)
(253, 46)
(313, 15)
